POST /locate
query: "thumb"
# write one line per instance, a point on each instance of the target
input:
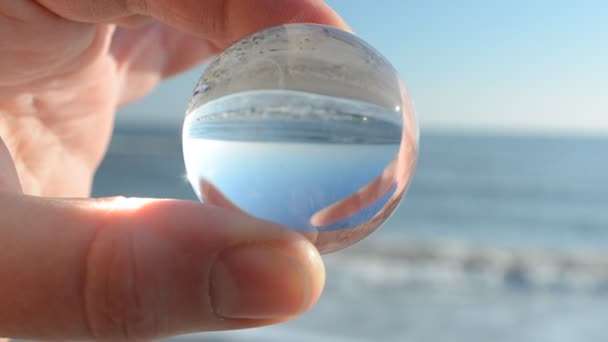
(9, 180)
(136, 269)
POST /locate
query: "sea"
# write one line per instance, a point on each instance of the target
(500, 238)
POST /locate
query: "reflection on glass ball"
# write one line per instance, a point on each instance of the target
(304, 125)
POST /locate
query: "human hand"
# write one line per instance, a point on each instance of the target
(119, 268)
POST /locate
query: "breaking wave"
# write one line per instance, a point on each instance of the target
(433, 265)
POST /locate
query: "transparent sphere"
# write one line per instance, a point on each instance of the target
(304, 125)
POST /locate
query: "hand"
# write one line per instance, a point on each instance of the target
(123, 268)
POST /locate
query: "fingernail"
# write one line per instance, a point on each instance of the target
(259, 282)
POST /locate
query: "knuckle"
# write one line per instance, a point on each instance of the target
(117, 289)
(137, 6)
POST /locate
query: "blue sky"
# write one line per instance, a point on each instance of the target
(294, 180)
(473, 65)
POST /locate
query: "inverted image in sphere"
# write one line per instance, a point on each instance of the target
(305, 125)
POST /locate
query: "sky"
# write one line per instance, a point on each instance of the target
(517, 66)
(289, 183)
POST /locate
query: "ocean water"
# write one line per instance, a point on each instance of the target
(499, 238)
(297, 158)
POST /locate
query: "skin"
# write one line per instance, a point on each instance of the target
(123, 268)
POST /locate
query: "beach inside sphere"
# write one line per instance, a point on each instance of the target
(313, 163)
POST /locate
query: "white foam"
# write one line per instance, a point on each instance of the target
(447, 265)
(267, 334)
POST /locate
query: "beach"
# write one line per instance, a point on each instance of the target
(499, 238)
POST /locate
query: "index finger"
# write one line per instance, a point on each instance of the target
(220, 21)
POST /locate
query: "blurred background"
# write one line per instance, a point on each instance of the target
(503, 233)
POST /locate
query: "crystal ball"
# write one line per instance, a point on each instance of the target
(304, 125)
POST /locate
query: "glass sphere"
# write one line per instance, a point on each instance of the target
(304, 125)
